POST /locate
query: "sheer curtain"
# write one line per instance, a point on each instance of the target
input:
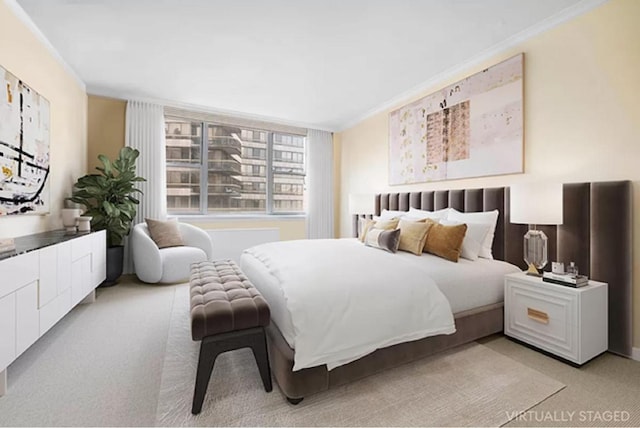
(145, 132)
(320, 184)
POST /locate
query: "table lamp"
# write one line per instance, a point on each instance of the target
(361, 204)
(536, 204)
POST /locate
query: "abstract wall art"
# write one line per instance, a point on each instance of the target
(24, 148)
(472, 128)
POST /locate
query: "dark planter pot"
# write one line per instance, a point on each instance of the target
(115, 257)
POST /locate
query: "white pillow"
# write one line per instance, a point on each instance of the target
(417, 214)
(391, 214)
(488, 217)
(473, 238)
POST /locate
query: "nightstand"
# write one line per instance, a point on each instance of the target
(570, 323)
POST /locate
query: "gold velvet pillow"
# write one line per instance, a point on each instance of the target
(413, 235)
(445, 241)
(165, 233)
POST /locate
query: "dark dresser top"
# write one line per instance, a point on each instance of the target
(27, 243)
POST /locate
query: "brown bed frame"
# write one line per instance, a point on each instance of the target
(596, 234)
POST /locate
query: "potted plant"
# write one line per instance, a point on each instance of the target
(108, 199)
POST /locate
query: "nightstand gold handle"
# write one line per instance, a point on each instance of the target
(539, 316)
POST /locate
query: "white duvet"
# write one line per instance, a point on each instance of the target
(346, 300)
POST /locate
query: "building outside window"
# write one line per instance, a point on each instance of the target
(232, 170)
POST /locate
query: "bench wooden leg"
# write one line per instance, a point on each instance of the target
(208, 355)
(212, 346)
(261, 355)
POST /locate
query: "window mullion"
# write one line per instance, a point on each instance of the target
(269, 184)
(204, 168)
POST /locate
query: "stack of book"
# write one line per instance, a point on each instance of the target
(7, 246)
(575, 281)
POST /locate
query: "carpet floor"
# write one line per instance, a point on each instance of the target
(103, 364)
(99, 366)
(468, 386)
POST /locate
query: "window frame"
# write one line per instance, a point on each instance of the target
(268, 212)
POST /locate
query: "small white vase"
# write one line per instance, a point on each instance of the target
(70, 218)
(84, 223)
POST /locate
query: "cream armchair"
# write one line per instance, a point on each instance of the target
(172, 264)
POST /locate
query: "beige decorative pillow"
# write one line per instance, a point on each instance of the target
(387, 224)
(378, 224)
(384, 239)
(413, 235)
(165, 233)
(445, 241)
(364, 225)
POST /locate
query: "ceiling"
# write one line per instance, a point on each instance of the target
(317, 63)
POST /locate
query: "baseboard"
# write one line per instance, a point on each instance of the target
(635, 354)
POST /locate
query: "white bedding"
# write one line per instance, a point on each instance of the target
(344, 300)
(466, 284)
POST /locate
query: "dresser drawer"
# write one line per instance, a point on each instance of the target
(18, 271)
(543, 317)
(80, 247)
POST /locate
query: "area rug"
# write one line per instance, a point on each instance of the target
(468, 386)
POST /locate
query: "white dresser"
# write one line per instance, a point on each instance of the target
(53, 273)
(568, 322)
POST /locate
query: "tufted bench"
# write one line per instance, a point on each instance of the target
(227, 313)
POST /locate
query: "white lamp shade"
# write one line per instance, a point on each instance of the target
(361, 203)
(536, 203)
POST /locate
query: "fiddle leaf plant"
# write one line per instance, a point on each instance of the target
(108, 196)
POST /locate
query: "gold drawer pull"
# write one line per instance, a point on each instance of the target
(538, 316)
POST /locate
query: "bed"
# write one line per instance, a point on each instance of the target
(356, 299)
(476, 314)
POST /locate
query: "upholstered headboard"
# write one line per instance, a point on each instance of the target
(466, 200)
(596, 234)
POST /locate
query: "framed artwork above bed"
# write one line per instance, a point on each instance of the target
(472, 128)
(24, 148)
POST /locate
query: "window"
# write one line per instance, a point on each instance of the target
(184, 142)
(232, 170)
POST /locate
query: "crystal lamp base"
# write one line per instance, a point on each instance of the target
(535, 251)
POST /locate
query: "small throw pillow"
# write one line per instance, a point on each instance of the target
(445, 241)
(387, 224)
(473, 239)
(384, 239)
(413, 235)
(364, 224)
(165, 233)
(378, 224)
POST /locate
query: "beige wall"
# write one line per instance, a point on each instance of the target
(105, 119)
(582, 116)
(25, 56)
(290, 229)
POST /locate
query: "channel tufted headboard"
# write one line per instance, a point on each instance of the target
(596, 234)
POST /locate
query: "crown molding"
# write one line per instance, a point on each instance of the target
(544, 25)
(26, 20)
(126, 96)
